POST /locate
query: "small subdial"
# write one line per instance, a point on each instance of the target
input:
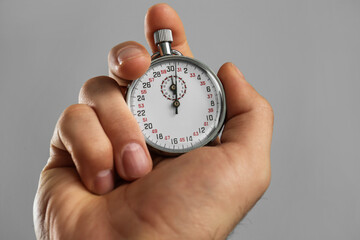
(168, 88)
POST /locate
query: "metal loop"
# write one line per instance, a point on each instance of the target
(173, 51)
(176, 52)
(155, 55)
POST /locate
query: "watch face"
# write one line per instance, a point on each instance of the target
(178, 103)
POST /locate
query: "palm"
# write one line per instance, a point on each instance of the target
(179, 187)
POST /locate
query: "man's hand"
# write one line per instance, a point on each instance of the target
(87, 189)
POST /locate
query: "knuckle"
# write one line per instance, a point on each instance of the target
(97, 155)
(111, 53)
(72, 112)
(263, 106)
(263, 179)
(72, 115)
(95, 86)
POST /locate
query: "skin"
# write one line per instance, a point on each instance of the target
(202, 194)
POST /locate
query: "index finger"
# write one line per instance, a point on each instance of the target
(162, 16)
(250, 117)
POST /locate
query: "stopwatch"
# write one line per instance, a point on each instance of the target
(179, 103)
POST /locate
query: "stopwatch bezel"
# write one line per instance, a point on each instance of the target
(219, 89)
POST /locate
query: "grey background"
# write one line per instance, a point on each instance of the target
(303, 56)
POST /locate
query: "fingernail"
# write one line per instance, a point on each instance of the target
(128, 53)
(104, 182)
(135, 161)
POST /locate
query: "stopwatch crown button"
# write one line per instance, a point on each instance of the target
(163, 35)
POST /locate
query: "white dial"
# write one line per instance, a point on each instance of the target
(178, 104)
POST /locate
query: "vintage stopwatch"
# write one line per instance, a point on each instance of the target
(179, 103)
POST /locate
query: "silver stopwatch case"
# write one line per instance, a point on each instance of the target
(163, 39)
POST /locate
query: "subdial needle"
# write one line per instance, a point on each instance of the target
(173, 88)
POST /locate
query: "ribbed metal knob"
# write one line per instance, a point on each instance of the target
(163, 35)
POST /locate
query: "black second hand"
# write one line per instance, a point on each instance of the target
(176, 92)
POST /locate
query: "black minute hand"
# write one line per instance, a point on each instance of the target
(176, 102)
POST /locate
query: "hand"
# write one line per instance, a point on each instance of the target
(87, 189)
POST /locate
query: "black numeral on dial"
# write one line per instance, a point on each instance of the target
(140, 98)
(202, 130)
(156, 74)
(146, 85)
(148, 125)
(170, 68)
(141, 113)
